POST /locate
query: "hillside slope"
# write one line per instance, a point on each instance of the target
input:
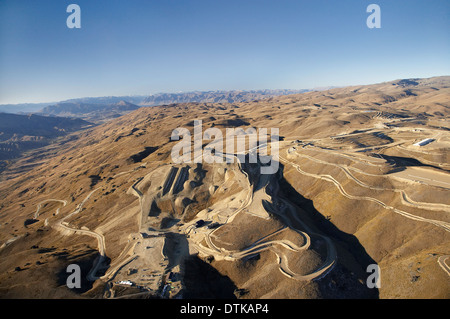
(352, 190)
(20, 133)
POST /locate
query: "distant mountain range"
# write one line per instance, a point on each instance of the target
(214, 96)
(90, 111)
(76, 107)
(27, 126)
(23, 108)
(99, 109)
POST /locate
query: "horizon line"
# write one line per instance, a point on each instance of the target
(318, 88)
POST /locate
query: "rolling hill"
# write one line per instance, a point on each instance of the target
(352, 190)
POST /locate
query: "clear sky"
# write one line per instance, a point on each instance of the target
(140, 47)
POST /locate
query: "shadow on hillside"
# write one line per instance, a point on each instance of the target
(341, 282)
(400, 163)
(85, 262)
(175, 248)
(202, 281)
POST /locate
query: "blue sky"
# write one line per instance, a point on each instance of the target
(140, 47)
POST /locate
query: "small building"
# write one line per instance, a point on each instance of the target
(424, 142)
(125, 282)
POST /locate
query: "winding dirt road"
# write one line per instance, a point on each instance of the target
(329, 178)
(62, 225)
(404, 197)
(264, 243)
(36, 214)
(443, 264)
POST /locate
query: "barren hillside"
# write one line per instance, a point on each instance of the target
(352, 189)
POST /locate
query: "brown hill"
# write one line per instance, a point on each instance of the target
(352, 190)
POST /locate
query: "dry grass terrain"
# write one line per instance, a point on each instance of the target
(352, 190)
